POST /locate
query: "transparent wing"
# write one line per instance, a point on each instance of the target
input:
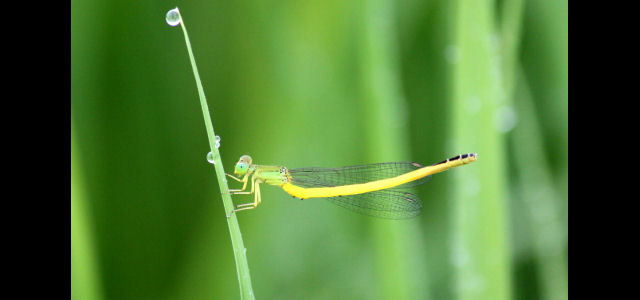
(387, 204)
(393, 203)
(317, 177)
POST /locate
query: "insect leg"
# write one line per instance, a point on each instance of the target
(257, 199)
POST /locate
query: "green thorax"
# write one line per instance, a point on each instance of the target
(273, 175)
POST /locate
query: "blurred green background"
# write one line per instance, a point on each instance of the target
(320, 83)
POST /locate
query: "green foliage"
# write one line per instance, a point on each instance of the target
(320, 83)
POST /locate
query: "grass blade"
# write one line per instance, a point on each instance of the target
(239, 251)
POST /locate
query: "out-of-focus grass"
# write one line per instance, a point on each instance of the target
(540, 200)
(317, 83)
(480, 244)
(85, 278)
(399, 267)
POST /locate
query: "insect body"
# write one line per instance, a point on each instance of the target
(378, 190)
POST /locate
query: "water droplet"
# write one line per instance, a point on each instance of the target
(460, 257)
(210, 158)
(173, 17)
(505, 118)
(472, 104)
(470, 184)
(452, 54)
(494, 42)
(217, 141)
(474, 187)
(473, 282)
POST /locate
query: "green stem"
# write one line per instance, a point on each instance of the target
(239, 251)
